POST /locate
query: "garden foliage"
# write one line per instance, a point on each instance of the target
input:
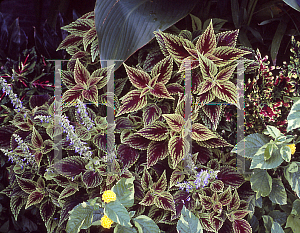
(155, 184)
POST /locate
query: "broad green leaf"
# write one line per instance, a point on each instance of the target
(258, 161)
(117, 213)
(121, 229)
(278, 194)
(294, 117)
(188, 222)
(273, 132)
(81, 217)
(128, 32)
(286, 153)
(279, 216)
(124, 191)
(296, 208)
(268, 151)
(146, 224)
(292, 167)
(251, 144)
(268, 222)
(261, 182)
(276, 228)
(294, 223)
(293, 179)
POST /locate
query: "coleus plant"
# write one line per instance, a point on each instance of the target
(158, 132)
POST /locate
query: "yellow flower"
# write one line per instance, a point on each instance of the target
(109, 196)
(106, 222)
(293, 148)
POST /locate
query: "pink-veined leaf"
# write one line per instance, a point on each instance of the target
(132, 102)
(156, 151)
(138, 78)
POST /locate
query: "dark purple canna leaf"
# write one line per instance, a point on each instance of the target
(34, 198)
(229, 176)
(27, 185)
(127, 155)
(227, 38)
(156, 151)
(70, 166)
(148, 199)
(47, 210)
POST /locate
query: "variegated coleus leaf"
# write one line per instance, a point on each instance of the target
(227, 38)
(214, 143)
(91, 179)
(68, 191)
(207, 43)
(146, 181)
(175, 121)
(201, 132)
(157, 150)
(148, 199)
(136, 141)
(156, 131)
(164, 200)
(16, 204)
(216, 221)
(85, 87)
(213, 112)
(79, 27)
(241, 226)
(225, 197)
(206, 222)
(151, 113)
(138, 78)
(47, 210)
(217, 186)
(27, 185)
(89, 36)
(163, 70)
(127, 155)
(71, 166)
(82, 56)
(174, 45)
(70, 41)
(226, 91)
(34, 198)
(177, 176)
(155, 214)
(132, 102)
(235, 202)
(225, 55)
(229, 176)
(161, 184)
(178, 148)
